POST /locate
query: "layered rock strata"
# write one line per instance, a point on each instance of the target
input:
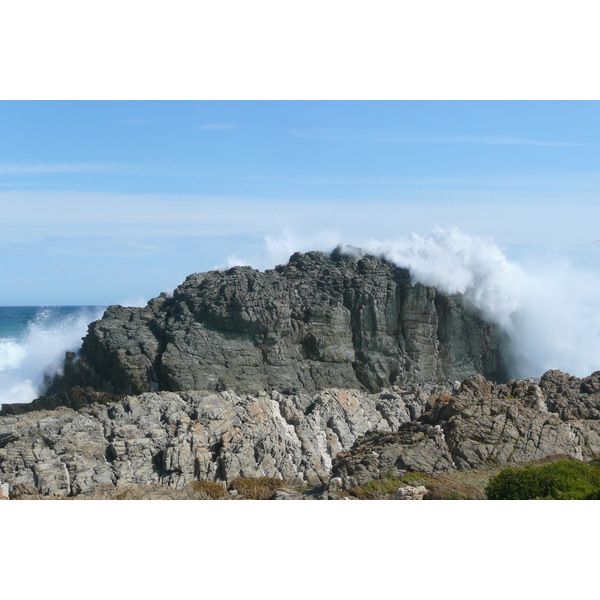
(320, 321)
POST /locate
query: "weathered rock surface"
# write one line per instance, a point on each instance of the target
(570, 397)
(484, 423)
(75, 397)
(172, 438)
(341, 438)
(411, 492)
(320, 321)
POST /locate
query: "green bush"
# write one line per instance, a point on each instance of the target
(561, 480)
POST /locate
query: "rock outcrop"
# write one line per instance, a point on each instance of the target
(320, 321)
(344, 437)
(173, 439)
(481, 424)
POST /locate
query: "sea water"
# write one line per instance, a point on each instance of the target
(33, 341)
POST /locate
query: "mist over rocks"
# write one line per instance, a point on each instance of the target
(319, 321)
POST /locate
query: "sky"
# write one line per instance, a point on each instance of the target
(115, 201)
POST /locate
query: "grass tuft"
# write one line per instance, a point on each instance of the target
(261, 488)
(212, 489)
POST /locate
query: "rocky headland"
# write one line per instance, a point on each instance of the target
(320, 321)
(326, 373)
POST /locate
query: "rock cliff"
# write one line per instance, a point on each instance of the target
(318, 322)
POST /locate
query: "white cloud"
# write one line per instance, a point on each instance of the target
(114, 168)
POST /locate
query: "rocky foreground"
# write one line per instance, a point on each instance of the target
(154, 445)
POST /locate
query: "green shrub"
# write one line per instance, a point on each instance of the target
(561, 480)
(261, 488)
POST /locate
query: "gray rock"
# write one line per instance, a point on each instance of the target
(484, 424)
(155, 444)
(287, 494)
(411, 492)
(172, 438)
(320, 321)
(414, 447)
(572, 398)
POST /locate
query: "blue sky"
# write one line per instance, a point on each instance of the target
(107, 202)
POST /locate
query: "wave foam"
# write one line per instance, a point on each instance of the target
(549, 310)
(24, 361)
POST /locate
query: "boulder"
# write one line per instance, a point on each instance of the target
(411, 492)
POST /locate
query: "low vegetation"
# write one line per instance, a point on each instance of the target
(555, 477)
(210, 488)
(378, 489)
(567, 479)
(454, 485)
(261, 488)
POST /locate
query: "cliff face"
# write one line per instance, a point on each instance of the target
(328, 371)
(319, 321)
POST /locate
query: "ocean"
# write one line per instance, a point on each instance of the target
(33, 340)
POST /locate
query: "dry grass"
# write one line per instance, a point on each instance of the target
(459, 485)
(212, 489)
(261, 488)
(455, 485)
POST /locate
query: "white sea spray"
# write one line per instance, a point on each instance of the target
(549, 310)
(24, 360)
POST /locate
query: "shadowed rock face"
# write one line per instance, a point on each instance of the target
(319, 321)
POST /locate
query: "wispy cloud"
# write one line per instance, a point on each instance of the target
(141, 221)
(216, 127)
(337, 135)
